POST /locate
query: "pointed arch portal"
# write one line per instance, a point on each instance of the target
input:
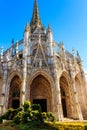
(40, 93)
(65, 96)
(14, 93)
(63, 100)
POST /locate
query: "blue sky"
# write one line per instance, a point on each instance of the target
(68, 20)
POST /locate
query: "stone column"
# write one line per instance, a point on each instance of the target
(25, 60)
(29, 50)
(58, 104)
(50, 45)
(77, 114)
(4, 86)
(17, 48)
(24, 83)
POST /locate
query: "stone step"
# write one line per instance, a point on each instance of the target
(72, 120)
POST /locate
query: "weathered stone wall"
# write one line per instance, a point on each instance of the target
(1, 83)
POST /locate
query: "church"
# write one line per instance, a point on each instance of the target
(38, 69)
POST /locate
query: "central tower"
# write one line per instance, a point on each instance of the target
(38, 61)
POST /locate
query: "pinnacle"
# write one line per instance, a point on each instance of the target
(49, 28)
(27, 27)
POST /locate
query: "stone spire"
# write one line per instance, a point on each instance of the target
(35, 21)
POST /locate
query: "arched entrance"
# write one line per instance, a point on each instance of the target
(14, 93)
(40, 93)
(65, 97)
(63, 100)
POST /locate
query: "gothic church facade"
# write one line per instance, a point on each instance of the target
(39, 69)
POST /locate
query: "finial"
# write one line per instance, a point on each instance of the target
(17, 44)
(78, 57)
(2, 50)
(27, 27)
(35, 21)
(77, 53)
(49, 28)
(12, 42)
(73, 52)
(17, 48)
(62, 45)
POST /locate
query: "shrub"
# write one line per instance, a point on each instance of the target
(27, 106)
(29, 110)
(9, 114)
(36, 107)
(36, 116)
(1, 118)
(17, 119)
(16, 111)
(19, 109)
(44, 116)
(25, 117)
(51, 117)
(29, 113)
